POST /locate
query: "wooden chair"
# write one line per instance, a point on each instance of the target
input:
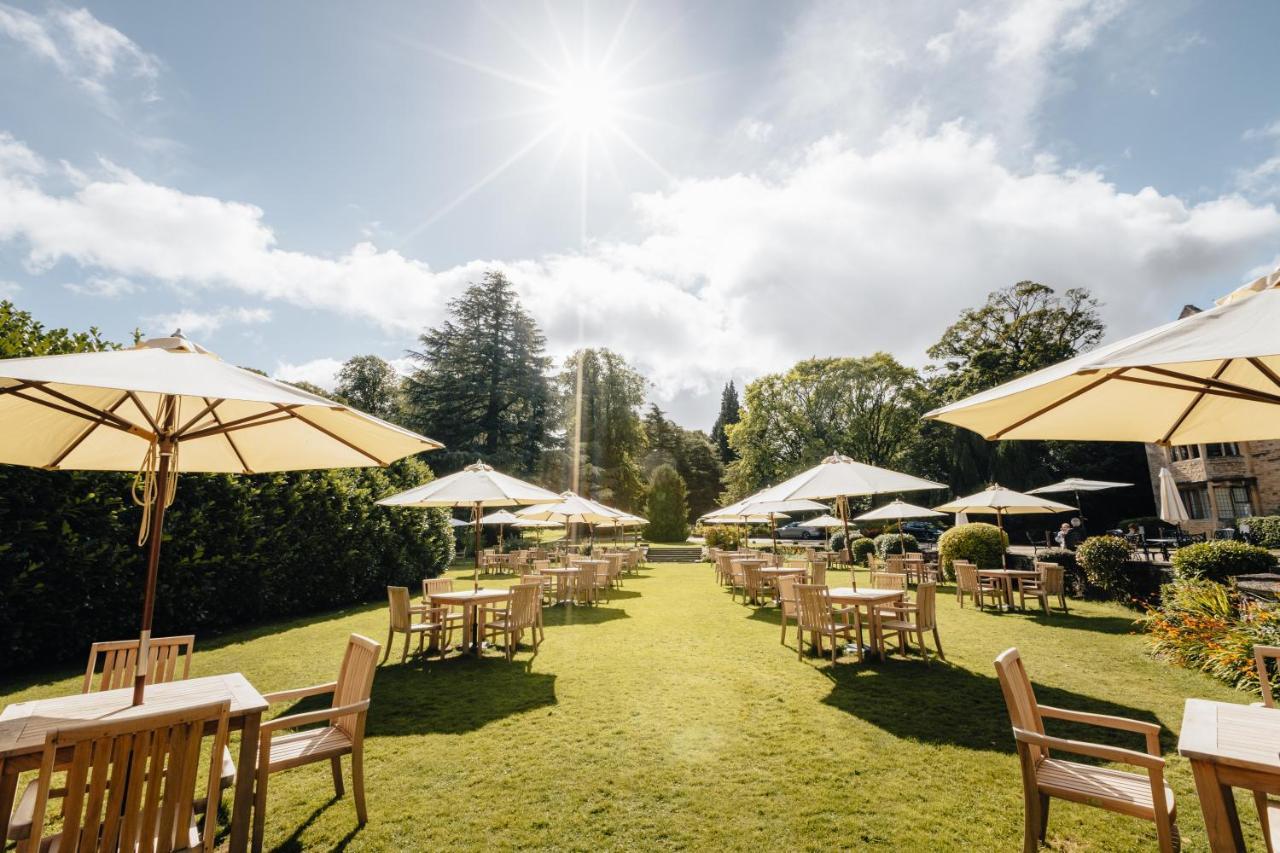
(1268, 809)
(818, 574)
(788, 604)
(131, 783)
(915, 619)
(510, 619)
(889, 580)
(1049, 584)
(452, 616)
(401, 615)
(817, 618)
(1136, 794)
(343, 734)
(584, 585)
(753, 585)
(968, 583)
(113, 662)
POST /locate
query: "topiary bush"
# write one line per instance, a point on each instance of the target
(1221, 560)
(863, 548)
(1104, 560)
(668, 506)
(1264, 530)
(892, 543)
(980, 543)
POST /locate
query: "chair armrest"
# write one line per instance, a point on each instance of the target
(1116, 754)
(299, 692)
(294, 720)
(1151, 730)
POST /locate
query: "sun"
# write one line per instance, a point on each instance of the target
(584, 102)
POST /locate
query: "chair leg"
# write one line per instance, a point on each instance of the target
(1033, 819)
(1165, 832)
(404, 655)
(260, 802)
(387, 653)
(924, 650)
(938, 643)
(1044, 816)
(335, 764)
(357, 782)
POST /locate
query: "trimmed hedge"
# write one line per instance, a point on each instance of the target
(981, 543)
(726, 537)
(1220, 560)
(888, 543)
(1264, 530)
(862, 548)
(1104, 560)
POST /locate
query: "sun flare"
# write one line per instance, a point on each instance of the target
(583, 102)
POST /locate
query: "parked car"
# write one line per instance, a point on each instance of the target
(797, 530)
(924, 531)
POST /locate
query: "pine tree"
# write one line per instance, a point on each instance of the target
(667, 508)
(481, 385)
(729, 415)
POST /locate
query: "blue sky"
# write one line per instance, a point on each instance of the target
(714, 189)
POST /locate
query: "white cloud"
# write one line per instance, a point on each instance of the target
(841, 250)
(194, 322)
(319, 371)
(84, 49)
(105, 287)
(9, 289)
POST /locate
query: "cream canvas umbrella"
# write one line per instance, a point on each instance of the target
(622, 522)
(523, 524)
(1076, 485)
(897, 510)
(839, 478)
(1212, 376)
(1172, 509)
(168, 406)
(572, 508)
(999, 501)
(756, 509)
(477, 486)
(826, 522)
(501, 518)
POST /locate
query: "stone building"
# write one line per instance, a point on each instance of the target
(1220, 482)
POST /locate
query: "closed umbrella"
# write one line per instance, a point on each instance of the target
(168, 406)
(1172, 510)
(897, 510)
(999, 501)
(477, 486)
(1212, 376)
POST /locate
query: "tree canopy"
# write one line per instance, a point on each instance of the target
(370, 384)
(667, 509)
(690, 452)
(730, 414)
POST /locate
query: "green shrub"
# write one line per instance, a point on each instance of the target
(862, 548)
(980, 543)
(891, 543)
(668, 506)
(1220, 560)
(724, 537)
(1104, 560)
(1263, 529)
(1204, 625)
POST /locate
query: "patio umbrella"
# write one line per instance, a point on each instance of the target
(759, 509)
(168, 406)
(827, 522)
(524, 524)
(838, 477)
(999, 501)
(457, 522)
(897, 510)
(501, 518)
(624, 521)
(477, 486)
(1172, 510)
(1212, 376)
(1076, 485)
(572, 508)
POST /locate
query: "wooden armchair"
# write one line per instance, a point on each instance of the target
(510, 619)
(119, 797)
(904, 619)
(585, 588)
(1268, 809)
(401, 617)
(344, 734)
(788, 605)
(818, 619)
(1049, 584)
(452, 616)
(818, 574)
(979, 589)
(1143, 795)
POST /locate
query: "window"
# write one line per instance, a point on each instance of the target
(1233, 502)
(1217, 451)
(1183, 452)
(1196, 500)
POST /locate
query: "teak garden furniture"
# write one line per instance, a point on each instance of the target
(817, 619)
(1050, 584)
(904, 618)
(520, 613)
(401, 614)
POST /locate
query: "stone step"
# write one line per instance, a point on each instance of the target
(691, 554)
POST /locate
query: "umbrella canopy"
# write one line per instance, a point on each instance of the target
(457, 522)
(1212, 376)
(1172, 510)
(1001, 501)
(1076, 484)
(534, 523)
(571, 508)
(625, 520)
(896, 511)
(770, 510)
(500, 517)
(167, 406)
(740, 519)
(823, 521)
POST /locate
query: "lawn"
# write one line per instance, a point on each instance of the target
(671, 717)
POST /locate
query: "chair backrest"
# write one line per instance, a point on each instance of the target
(1051, 575)
(398, 598)
(541, 565)
(1261, 654)
(814, 608)
(1019, 697)
(526, 600)
(118, 658)
(131, 783)
(889, 580)
(966, 575)
(355, 679)
(795, 563)
(895, 563)
(818, 573)
(435, 585)
(787, 594)
(926, 600)
(751, 577)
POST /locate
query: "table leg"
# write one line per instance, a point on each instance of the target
(246, 772)
(469, 626)
(1218, 805)
(8, 787)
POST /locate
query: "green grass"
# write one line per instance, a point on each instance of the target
(673, 718)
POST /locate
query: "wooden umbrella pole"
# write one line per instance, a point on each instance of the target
(842, 503)
(1004, 552)
(475, 574)
(155, 534)
(773, 532)
(902, 544)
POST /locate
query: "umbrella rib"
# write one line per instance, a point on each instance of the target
(97, 416)
(1186, 413)
(1259, 396)
(1208, 389)
(1060, 401)
(143, 409)
(1264, 370)
(78, 440)
(334, 436)
(227, 436)
(256, 419)
(84, 408)
(207, 410)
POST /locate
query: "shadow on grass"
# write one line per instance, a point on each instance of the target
(293, 843)
(455, 695)
(947, 704)
(573, 614)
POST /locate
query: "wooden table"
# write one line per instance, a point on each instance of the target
(872, 599)
(24, 725)
(562, 575)
(1006, 578)
(469, 600)
(1229, 746)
